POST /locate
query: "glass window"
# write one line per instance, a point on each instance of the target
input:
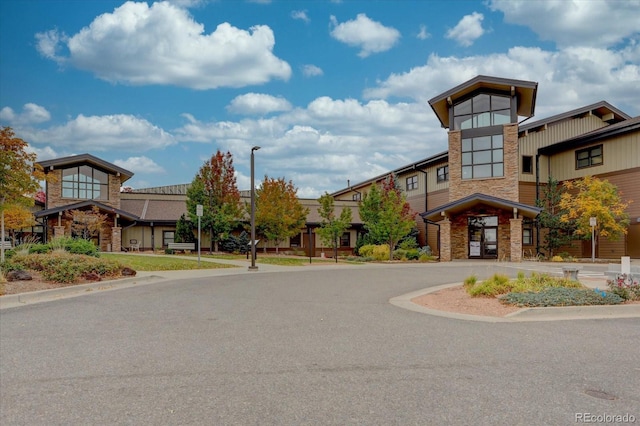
(588, 157)
(356, 197)
(295, 240)
(412, 183)
(345, 240)
(482, 157)
(527, 232)
(527, 164)
(167, 237)
(85, 183)
(443, 173)
(483, 110)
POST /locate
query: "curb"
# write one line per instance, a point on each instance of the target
(560, 313)
(23, 299)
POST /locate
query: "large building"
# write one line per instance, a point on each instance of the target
(476, 200)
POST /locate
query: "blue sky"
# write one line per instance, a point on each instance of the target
(331, 90)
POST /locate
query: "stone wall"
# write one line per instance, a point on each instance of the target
(506, 187)
(54, 192)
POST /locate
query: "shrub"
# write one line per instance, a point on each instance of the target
(67, 267)
(381, 252)
(557, 259)
(497, 284)
(408, 244)
(561, 296)
(425, 250)
(413, 254)
(470, 282)
(400, 254)
(81, 246)
(426, 258)
(39, 248)
(366, 250)
(168, 251)
(625, 286)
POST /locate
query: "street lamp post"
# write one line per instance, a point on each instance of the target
(253, 266)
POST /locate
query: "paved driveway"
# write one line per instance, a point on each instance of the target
(319, 346)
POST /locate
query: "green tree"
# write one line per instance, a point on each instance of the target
(332, 227)
(19, 176)
(558, 233)
(279, 213)
(184, 230)
(214, 187)
(592, 197)
(386, 214)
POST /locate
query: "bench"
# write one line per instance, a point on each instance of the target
(181, 246)
(570, 272)
(6, 245)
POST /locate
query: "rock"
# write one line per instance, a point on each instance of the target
(128, 272)
(18, 276)
(92, 276)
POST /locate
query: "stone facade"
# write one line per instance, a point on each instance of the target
(506, 187)
(516, 239)
(445, 240)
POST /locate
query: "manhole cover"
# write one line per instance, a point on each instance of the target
(599, 394)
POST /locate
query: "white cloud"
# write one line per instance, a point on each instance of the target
(423, 34)
(31, 114)
(102, 133)
(43, 154)
(468, 30)
(310, 70)
(162, 44)
(257, 104)
(301, 15)
(568, 79)
(596, 23)
(370, 36)
(142, 165)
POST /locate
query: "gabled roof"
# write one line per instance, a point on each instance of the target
(477, 198)
(86, 159)
(526, 92)
(82, 204)
(601, 109)
(443, 156)
(627, 126)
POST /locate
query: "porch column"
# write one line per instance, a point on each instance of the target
(516, 240)
(116, 238)
(445, 240)
(58, 231)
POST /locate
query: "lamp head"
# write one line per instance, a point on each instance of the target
(255, 148)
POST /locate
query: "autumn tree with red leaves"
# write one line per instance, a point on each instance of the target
(214, 187)
(19, 176)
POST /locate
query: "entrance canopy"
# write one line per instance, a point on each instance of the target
(468, 202)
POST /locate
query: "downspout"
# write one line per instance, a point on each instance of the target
(537, 202)
(426, 203)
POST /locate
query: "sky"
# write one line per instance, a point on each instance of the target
(332, 91)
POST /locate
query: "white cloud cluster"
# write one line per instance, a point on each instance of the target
(102, 133)
(310, 70)
(31, 114)
(423, 34)
(162, 44)
(595, 23)
(370, 36)
(142, 164)
(301, 15)
(467, 30)
(257, 104)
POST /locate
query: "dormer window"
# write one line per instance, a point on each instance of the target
(85, 183)
(482, 110)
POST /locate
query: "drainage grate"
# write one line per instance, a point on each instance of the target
(600, 394)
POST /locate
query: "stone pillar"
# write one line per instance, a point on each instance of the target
(445, 240)
(516, 239)
(58, 231)
(116, 238)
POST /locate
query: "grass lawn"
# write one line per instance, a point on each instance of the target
(153, 263)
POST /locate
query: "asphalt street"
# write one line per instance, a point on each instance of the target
(315, 346)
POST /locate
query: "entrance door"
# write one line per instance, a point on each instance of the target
(483, 237)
